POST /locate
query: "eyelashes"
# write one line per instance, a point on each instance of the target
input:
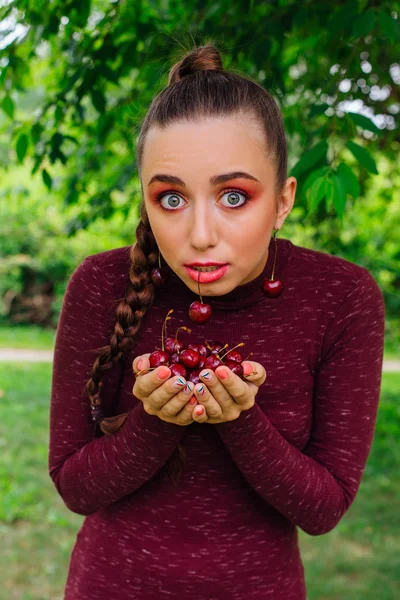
(246, 196)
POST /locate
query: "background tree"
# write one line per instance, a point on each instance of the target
(78, 75)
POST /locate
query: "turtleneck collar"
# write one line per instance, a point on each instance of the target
(243, 295)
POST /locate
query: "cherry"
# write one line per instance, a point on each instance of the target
(178, 369)
(235, 367)
(159, 276)
(212, 362)
(189, 357)
(200, 348)
(215, 347)
(194, 376)
(158, 358)
(172, 345)
(234, 355)
(202, 362)
(199, 312)
(175, 358)
(272, 287)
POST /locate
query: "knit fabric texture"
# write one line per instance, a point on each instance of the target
(293, 460)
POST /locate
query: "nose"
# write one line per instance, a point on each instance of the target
(203, 226)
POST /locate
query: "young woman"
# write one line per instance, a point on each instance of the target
(185, 506)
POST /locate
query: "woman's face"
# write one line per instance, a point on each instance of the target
(207, 218)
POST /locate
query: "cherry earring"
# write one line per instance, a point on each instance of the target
(273, 288)
(198, 311)
(159, 275)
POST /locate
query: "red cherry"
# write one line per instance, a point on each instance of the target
(189, 357)
(199, 312)
(234, 355)
(272, 287)
(172, 345)
(235, 367)
(158, 358)
(202, 362)
(175, 358)
(200, 348)
(215, 347)
(194, 376)
(178, 369)
(212, 362)
(159, 276)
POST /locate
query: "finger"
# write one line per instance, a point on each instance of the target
(238, 389)
(216, 388)
(204, 397)
(256, 375)
(145, 363)
(171, 398)
(150, 381)
(200, 418)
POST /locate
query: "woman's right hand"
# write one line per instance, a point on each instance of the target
(163, 397)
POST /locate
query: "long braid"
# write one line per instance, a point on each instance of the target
(139, 296)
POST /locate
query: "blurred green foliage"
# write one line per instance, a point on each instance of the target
(77, 78)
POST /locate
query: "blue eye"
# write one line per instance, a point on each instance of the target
(172, 204)
(233, 199)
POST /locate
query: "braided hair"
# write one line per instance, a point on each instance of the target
(197, 86)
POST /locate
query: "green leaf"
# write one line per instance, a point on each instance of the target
(329, 192)
(22, 147)
(349, 180)
(364, 122)
(316, 192)
(313, 176)
(98, 99)
(388, 26)
(7, 105)
(363, 156)
(339, 195)
(36, 132)
(364, 24)
(310, 158)
(48, 181)
(317, 109)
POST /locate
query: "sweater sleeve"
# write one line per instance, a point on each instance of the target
(314, 488)
(92, 472)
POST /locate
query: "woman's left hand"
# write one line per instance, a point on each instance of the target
(224, 399)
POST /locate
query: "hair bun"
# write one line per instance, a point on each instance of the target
(202, 58)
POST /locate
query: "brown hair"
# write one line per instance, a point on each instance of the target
(198, 86)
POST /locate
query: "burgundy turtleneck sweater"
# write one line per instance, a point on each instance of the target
(295, 459)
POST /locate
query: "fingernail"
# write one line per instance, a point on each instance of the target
(192, 400)
(180, 382)
(163, 373)
(201, 390)
(188, 387)
(247, 368)
(199, 411)
(207, 376)
(223, 373)
(140, 364)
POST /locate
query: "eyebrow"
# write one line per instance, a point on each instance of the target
(215, 180)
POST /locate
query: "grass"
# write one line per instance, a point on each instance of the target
(36, 338)
(358, 559)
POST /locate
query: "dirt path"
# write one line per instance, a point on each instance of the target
(17, 354)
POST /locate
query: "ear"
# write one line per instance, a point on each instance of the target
(286, 201)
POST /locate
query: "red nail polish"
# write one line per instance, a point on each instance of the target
(140, 364)
(199, 411)
(247, 368)
(192, 400)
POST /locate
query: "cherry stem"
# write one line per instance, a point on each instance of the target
(237, 346)
(182, 327)
(167, 318)
(273, 268)
(198, 283)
